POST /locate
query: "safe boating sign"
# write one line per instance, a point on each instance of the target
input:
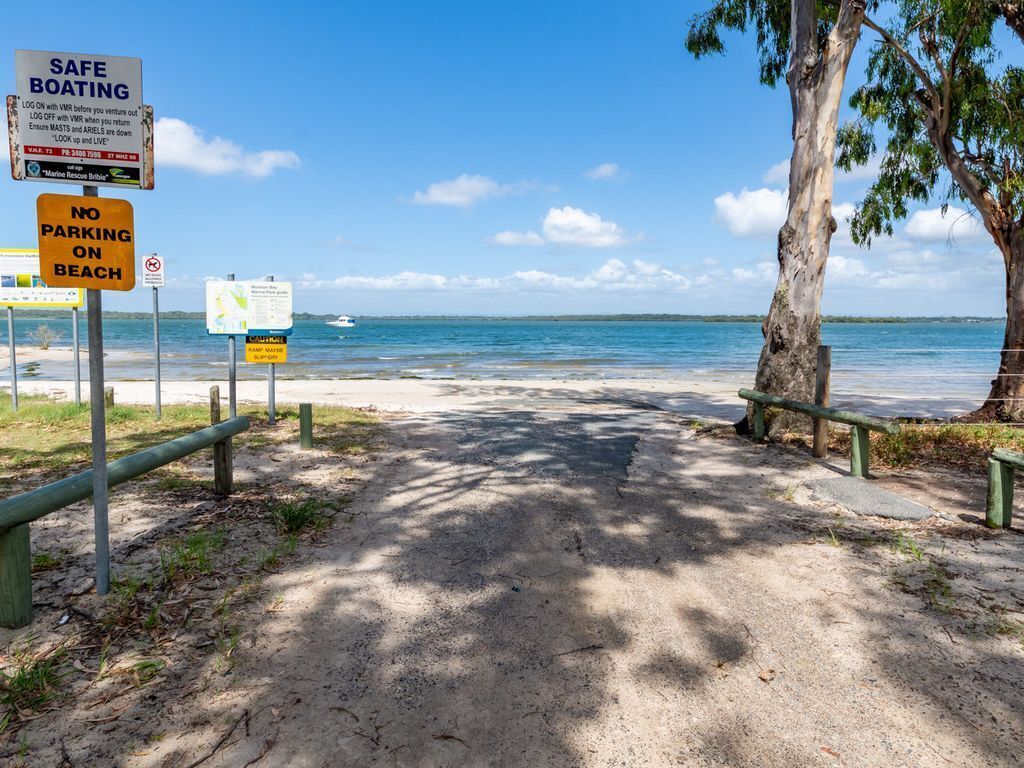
(79, 119)
(86, 242)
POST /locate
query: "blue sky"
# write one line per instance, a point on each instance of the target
(467, 157)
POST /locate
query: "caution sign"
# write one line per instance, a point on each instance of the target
(266, 349)
(86, 242)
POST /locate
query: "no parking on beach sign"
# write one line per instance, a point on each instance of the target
(153, 271)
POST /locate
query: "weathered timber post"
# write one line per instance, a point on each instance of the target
(306, 425)
(222, 469)
(999, 507)
(759, 430)
(860, 446)
(822, 379)
(108, 397)
(15, 578)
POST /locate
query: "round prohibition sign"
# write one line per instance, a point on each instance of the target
(153, 264)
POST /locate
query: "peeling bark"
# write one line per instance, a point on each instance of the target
(792, 329)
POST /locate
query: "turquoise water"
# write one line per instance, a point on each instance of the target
(912, 358)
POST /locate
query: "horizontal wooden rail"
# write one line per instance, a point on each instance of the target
(1007, 456)
(860, 425)
(872, 423)
(29, 506)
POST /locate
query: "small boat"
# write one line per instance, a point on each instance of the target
(343, 321)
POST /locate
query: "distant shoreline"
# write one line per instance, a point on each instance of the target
(45, 314)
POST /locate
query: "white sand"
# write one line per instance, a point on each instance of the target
(704, 398)
(699, 398)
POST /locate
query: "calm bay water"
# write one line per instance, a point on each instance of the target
(926, 359)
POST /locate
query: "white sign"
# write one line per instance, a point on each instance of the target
(153, 271)
(80, 119)
(248, 307)
(21, 285)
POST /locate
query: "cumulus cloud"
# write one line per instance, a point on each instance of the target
(464, 191)
(605, 172)
(573, 226)
(508, 237)
(957, 225)
(185, 146)
(752, 213)
(612, 276)
(778, 174)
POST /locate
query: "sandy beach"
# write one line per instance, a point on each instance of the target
(713, 398)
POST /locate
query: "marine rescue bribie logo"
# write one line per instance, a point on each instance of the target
(86, 242)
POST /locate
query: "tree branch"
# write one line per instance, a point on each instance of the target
(922, 75)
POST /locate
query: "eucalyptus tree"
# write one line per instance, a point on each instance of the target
(948, 111)
(809, 42)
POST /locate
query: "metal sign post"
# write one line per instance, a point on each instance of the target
(78, 356)
(153, 276)
(14, 359)
(84, 243)
(156, 346)
(98, 416)
(271, 395)
(232, 406)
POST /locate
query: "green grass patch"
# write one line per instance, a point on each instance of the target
(298, 516)
(29, 685)
(44, 561)
(964, 446)
(192, 557)
(50, 438)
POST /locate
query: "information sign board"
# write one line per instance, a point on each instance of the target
(21, 285)
(251, 307)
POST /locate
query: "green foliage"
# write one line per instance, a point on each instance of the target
(936, 92)
(770, 20)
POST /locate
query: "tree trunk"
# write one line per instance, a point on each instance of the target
(1013, 13)
(792, 329)
(1005, 400)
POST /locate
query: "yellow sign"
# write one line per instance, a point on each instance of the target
(86, 242)
(266, 349)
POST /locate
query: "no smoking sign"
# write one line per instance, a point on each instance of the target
(153, 271)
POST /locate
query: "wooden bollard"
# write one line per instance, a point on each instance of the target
(108, 397)
(822, 379)
(15, 578)
(223, 482)
(306, 425)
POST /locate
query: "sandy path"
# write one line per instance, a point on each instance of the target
(598, 587)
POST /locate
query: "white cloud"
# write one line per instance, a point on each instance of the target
(777, 174)
(930, 226)
(182, 145)
(762, 272)
(509, 237)
(464, 191)
(867, 172)
(605, 172)
(572, 226)
(612, 276)
(752, 213)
